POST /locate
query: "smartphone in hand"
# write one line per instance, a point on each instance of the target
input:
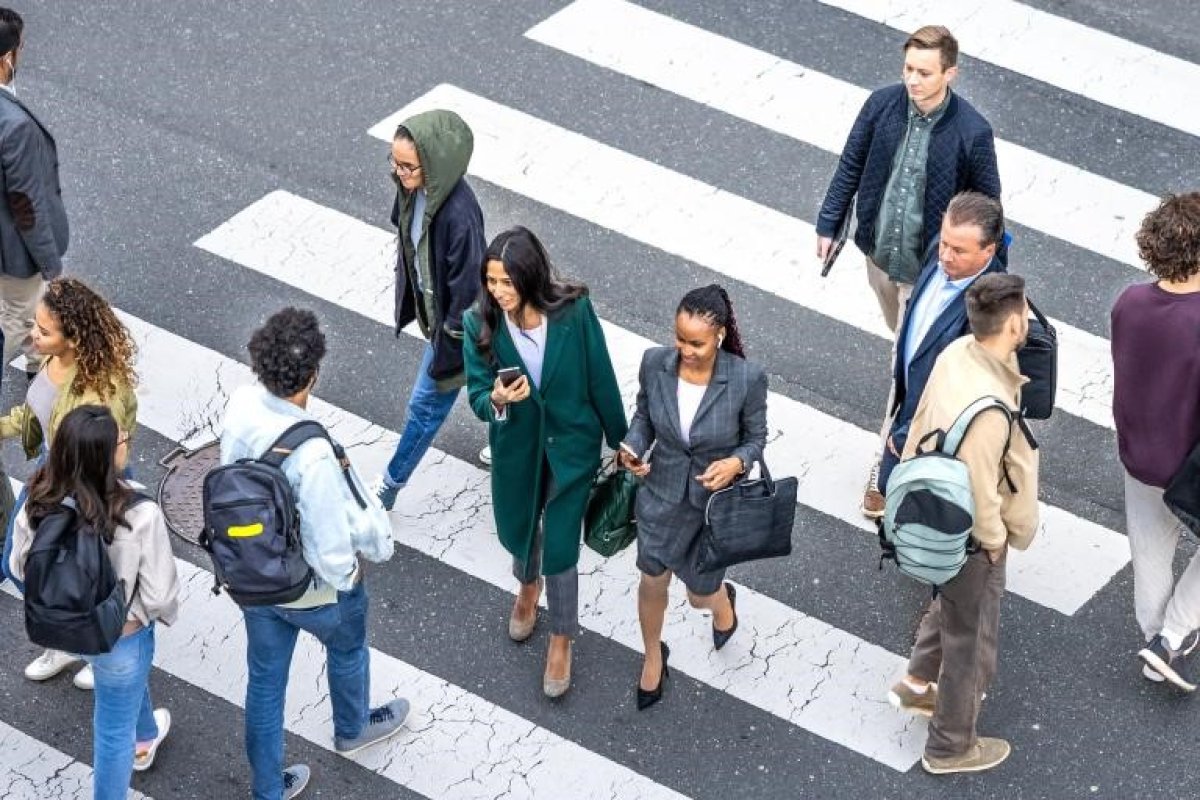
(634, 459)
(509, 375)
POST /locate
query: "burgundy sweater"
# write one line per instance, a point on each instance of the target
(1156, 380)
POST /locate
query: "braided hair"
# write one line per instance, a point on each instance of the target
(104, 348)
(712, 304)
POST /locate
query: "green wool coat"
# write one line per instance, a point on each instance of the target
(561, 423)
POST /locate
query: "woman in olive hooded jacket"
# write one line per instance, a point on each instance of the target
(440, 246)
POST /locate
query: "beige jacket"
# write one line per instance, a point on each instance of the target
(140, 554)
(965, 372)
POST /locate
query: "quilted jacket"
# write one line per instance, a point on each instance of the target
(962, 156)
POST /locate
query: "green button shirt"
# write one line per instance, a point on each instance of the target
(900, 225)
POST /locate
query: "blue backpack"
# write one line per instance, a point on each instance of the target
(252, 525)
(930, 510)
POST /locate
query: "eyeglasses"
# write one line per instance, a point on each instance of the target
(402, 169)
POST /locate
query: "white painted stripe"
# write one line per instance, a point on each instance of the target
(343, 260)
(1098, 65)
(788, 663)
(712, 227)
(1085, 209)
(32, 770)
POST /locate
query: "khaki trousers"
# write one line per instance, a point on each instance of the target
(956, 647)
(892, 296)
(18, 301)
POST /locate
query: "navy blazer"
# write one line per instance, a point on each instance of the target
(962, 156)
(951, 324)
(731, 421)
(33, 221)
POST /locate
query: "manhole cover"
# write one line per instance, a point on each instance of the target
(180, 492)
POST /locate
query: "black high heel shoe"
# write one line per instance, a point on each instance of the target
(645, 699)
(721, 638)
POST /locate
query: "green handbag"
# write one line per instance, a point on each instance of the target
(609, 525)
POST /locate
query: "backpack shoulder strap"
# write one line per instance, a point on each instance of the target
(959, 429)
(300, 433)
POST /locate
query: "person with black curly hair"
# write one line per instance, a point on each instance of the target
(335, 530)
(1156, 407)
(88, 360)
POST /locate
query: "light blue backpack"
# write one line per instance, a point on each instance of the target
(930, 511)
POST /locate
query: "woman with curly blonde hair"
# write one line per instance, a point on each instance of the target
(89, 358)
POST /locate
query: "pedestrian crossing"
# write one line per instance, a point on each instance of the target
(786, 664)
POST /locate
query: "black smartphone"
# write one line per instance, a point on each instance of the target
(508, 376)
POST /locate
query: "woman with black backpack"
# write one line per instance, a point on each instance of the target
(83, 472)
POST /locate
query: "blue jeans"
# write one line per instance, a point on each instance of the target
(270, 640)
(427, 410)
(5, 571)
(122, 714)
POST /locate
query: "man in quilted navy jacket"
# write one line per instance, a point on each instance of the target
(913, 146)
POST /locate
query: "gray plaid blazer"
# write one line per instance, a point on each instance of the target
(731, 421)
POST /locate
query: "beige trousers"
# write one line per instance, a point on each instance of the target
(893, 300)
(18, 302)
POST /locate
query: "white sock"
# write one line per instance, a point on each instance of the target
(916, 689)
(1173, 639)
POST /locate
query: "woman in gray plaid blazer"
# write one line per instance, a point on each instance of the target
(702, 409)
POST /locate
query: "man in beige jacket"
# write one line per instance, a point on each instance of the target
(954, 657)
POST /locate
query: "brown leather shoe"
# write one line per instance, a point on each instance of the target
(986, 753)
(902, 696)
(873, 504)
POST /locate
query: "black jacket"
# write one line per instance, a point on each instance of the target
(962, 156)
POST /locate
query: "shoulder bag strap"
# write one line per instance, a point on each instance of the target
(300, 433)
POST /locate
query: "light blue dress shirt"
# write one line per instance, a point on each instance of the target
(929, 305)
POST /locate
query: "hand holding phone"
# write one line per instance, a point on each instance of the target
(508, 376)
(633, 462)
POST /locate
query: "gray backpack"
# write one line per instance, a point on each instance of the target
(930, 511)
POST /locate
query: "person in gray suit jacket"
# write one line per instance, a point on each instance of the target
(33, 221)
(702, 408)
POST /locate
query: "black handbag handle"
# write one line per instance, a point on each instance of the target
(1038, 315)
(765, 476)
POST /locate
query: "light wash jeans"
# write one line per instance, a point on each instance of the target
(271, 633)
(122, 714)
(427, 410)
(1160, 602)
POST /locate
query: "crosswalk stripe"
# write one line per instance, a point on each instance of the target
(348, 262)
(35, 771)
(1089, 62)
(1087, 210)
(788, 664)
(719, 230)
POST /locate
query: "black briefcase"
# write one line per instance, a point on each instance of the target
(748, 520)
(1182, 494)
(1038, 360)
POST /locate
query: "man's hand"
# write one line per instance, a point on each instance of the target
(823, 245)
(997, 555)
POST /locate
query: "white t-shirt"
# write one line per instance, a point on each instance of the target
(531, 346)
(689, 395)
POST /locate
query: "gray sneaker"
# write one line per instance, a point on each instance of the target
(382, 722)
(295, 778)
(986, 753)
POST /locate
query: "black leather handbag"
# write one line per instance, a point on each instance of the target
(1038, 360)
(1182, 494)
(747, 521)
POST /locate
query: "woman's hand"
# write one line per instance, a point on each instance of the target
(515, 392)
(627, 460)
(721, 473)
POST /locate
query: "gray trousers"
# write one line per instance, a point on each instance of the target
(562, 589)
(1160, 602)
(956, 647)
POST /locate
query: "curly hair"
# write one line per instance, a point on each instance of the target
(1169, 239)
(104, 348)
(287, 351)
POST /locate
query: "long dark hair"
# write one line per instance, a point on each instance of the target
(80, 466)
(712, 303)
(533, 276)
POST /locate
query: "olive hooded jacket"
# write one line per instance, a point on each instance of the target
(439, 280)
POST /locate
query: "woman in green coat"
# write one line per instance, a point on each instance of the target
(539, 374)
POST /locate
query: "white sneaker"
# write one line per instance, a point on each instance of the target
(485, 456)
(49, 664)
(144, 760)
(85, 679)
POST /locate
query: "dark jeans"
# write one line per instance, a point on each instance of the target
(956, 646)
(270, 640)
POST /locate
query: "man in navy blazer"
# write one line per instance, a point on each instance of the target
(971, 233)
(33, 221)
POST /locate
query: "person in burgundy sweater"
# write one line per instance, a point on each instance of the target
(1156, 405)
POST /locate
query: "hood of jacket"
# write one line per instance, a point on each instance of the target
(444, 144)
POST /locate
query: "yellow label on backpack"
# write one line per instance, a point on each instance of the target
(244, 531)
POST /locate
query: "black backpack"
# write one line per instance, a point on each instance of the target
(252, 526)
(74, 601)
